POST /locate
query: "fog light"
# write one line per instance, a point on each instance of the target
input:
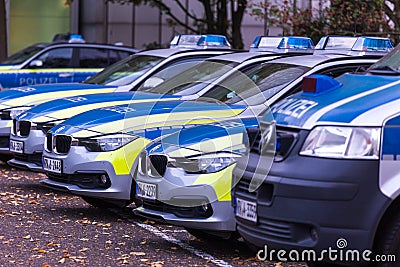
(204, 207)
(103, 179)
(314, 234)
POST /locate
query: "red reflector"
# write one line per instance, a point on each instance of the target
(309, 84)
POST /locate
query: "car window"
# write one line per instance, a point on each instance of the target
(262, 82)
(23, 55)
(91, 57)
(169, 71)
(200, 75)
(57, 58)
(116, 55)
(125, 71)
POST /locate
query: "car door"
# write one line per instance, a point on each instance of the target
(52, 66)
(93, 59)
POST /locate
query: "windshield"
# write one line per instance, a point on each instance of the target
(256, 84)
(126, 71)
(23, 55)
(389, 64)
(193, 79)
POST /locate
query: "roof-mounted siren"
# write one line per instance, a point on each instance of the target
(366, 45)
(317, 84)
(286, 44)
(76, 38)
(200, 41)
(354, 46)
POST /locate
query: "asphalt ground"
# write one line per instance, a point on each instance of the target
(40, 227)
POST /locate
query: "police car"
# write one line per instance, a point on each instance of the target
(185, 178)
(198, 81)
(59, 62)
(279, 43)
(126, 75)
(334, 180)
(110, 172)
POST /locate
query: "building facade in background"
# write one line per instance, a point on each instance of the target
(140, 26)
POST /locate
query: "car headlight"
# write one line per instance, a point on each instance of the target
(207, 163)
(106, 142)
(342, 142)
(12, 113)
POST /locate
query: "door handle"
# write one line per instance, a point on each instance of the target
(65, 75)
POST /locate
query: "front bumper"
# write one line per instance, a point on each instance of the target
(31, 158)
(81, 171)
(183, 201)
(311, 203)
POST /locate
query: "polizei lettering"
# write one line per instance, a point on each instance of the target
(293, 107)
(42, 80)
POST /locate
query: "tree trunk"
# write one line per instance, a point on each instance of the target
(209, 16)
(3, 31)
(222, 17)
(237, 17)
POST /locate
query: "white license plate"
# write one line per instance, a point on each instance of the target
(52, 165)
(146, 190)
(246, 210)
(16, 146)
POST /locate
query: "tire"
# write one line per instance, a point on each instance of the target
(388, 241)
(210, 236)
(105, 204)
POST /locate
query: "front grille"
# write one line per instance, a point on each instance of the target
(87, 181)
(24, 128)
(158, 164)
(284, 142)
(49, 142)
(179, 211)
(62, 143)
(269, 229)
(4, 141)
(14, 127)
(5, 115)
(33, 158)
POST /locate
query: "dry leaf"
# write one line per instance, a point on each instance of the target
(137, 253)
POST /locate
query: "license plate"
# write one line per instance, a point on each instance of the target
(246, 210)
(146, 190)
(52, 165)
(16, 146)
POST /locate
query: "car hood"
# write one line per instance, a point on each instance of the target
(145, 119)
(34, 95)
(223, 136)
(64, 108)
(356, 102)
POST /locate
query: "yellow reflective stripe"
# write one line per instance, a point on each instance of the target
(221, 182)
(55, 70)
(69, 112)
(9, 124)
(44, 97)
(160, 120)
(122, 159)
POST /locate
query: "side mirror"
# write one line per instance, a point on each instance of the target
(37, 63)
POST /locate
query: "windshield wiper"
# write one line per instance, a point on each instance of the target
(385, 69)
